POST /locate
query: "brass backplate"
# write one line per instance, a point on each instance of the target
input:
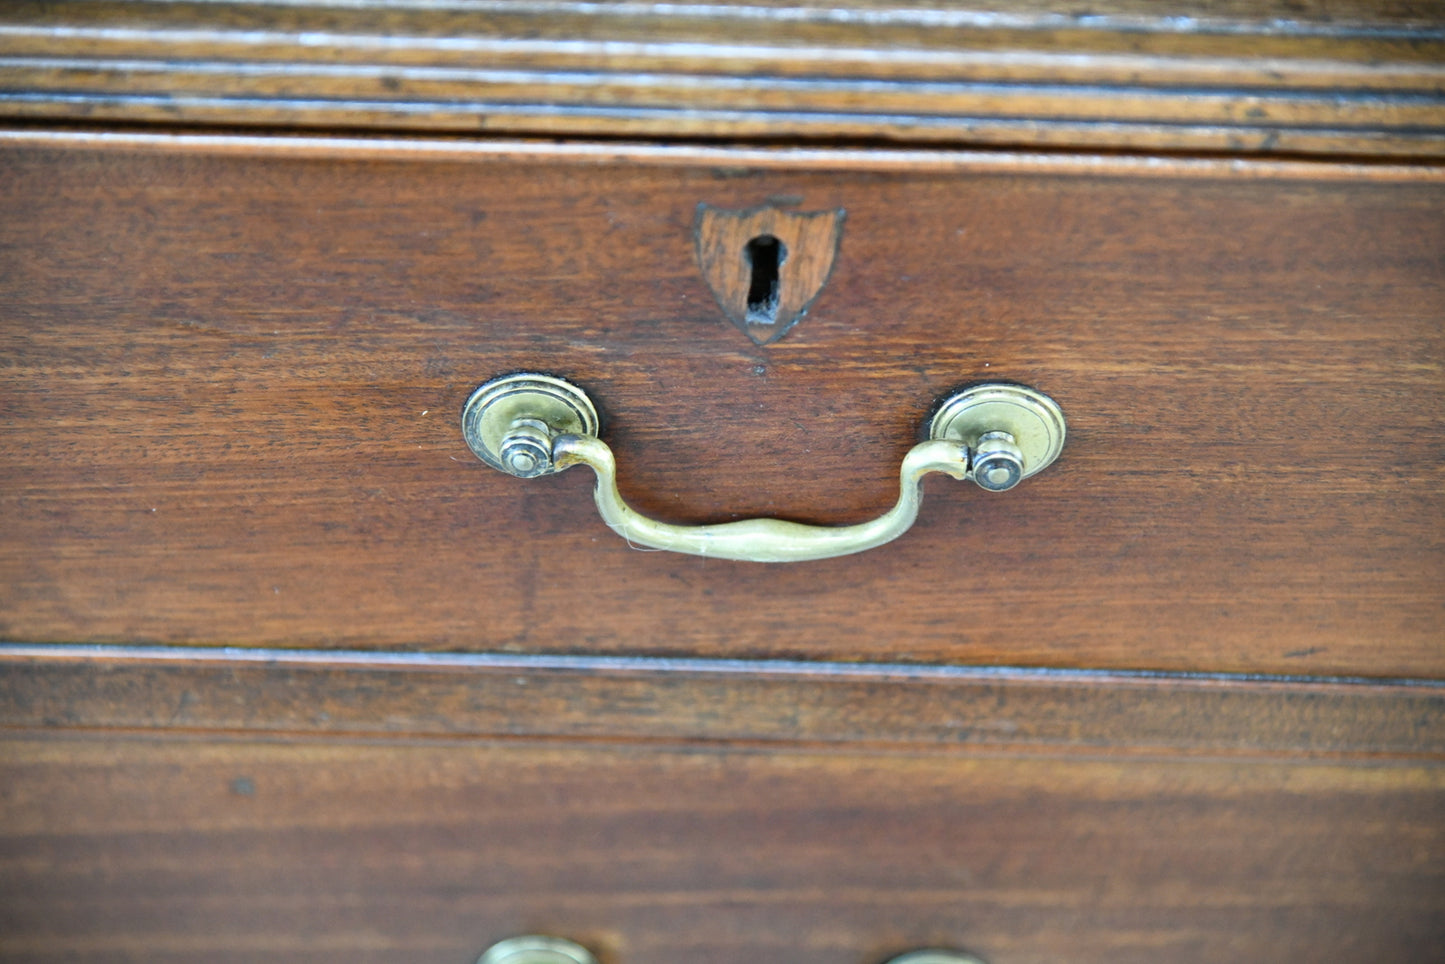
(536, 949)
(495, 407)
(936, 957)
(1033, 419)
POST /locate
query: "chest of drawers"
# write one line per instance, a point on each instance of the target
(292, 675)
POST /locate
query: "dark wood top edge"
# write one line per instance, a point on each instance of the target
(862, 748)
(681, 126)
(491, 696)
(341, 147)
(651, 665)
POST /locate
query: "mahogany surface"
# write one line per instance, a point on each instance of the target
(286, 674)
(118, 847)
(234, 371)
(166, 805)
(320, 693)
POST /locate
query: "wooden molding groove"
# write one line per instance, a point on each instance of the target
(722, 157)
(316, 693)
(1353, 79)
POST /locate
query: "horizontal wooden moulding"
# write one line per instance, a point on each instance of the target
(484, 696)
(1366, 80)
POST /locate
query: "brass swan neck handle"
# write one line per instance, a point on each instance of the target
(761, 540)
(529, 425)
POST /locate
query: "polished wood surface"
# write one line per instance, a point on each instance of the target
(234, 369)
(287, 674)
(1362, 78)
(118, 847)
(319, 693)
(165, 804)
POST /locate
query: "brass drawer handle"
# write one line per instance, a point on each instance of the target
(529, 425)
(534, 949)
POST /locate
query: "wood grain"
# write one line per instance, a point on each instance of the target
(427, 851)
(1360, 78)
(232, 386)
(326, 693)
(230, 374)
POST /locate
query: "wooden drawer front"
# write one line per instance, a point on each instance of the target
(233, 372)
(230, 849)
(166, 804)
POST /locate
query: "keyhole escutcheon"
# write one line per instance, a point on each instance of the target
(766, 265)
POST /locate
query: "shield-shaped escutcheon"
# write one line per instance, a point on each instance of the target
(766, 266)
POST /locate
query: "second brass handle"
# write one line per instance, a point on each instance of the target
(529, 425)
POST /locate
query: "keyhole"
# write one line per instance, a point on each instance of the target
(766, 255)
